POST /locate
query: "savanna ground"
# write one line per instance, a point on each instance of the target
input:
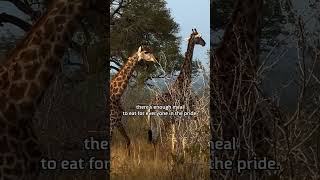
(145, 162)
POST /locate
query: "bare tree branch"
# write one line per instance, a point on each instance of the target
(116, 62)
(21, 6)
(26, 8)
(120, 5)
(115, 68)
(116, 6)
(6, 18)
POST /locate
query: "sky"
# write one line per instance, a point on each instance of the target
(192, 14)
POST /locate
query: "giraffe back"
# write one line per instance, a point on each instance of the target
(24, 77)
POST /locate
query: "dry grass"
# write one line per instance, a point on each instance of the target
(143, 164)
(158, 162)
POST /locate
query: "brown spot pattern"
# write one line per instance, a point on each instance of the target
(49, 28)
(28, 55)
(4, 81)
(45, 49)
(44, 78)
(33, 90)
(31, 71)
(17, 90)
(17, 74)
(10, 113)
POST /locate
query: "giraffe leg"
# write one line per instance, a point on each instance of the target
(125, 135)
(173, 138)
(113, 123)
(110, 135)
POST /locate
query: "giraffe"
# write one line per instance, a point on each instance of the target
(24, 77)
(184, 78)
(233, 88)
(179, 88)
(118, 85)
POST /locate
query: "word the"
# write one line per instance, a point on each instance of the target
(91, 144)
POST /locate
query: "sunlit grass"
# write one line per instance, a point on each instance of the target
(144, 164)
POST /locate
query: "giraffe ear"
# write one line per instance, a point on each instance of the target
(187, 39)
(139, 50)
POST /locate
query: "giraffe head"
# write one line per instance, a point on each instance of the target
(196, 38)
(145, 54)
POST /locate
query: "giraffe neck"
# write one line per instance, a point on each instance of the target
(27, 71)
(240, 41)
(234, 67)
(120, 81)
(184, 78)
(239, 46)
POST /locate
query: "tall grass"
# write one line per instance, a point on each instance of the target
(158, 161)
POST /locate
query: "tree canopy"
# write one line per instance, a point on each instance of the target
(276, 15)
(138, 22)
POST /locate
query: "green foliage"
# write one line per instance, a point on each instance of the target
(274, 18)
(146, 23)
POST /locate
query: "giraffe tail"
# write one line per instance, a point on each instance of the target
(150, 138)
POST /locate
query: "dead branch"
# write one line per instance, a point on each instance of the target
(26, 8)
(7, 18)
(21, 6)
(115, 68)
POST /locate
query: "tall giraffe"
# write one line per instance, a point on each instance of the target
(233, 88)
(118, 85)
(184, 78)
(24, 77)
(179, 88)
